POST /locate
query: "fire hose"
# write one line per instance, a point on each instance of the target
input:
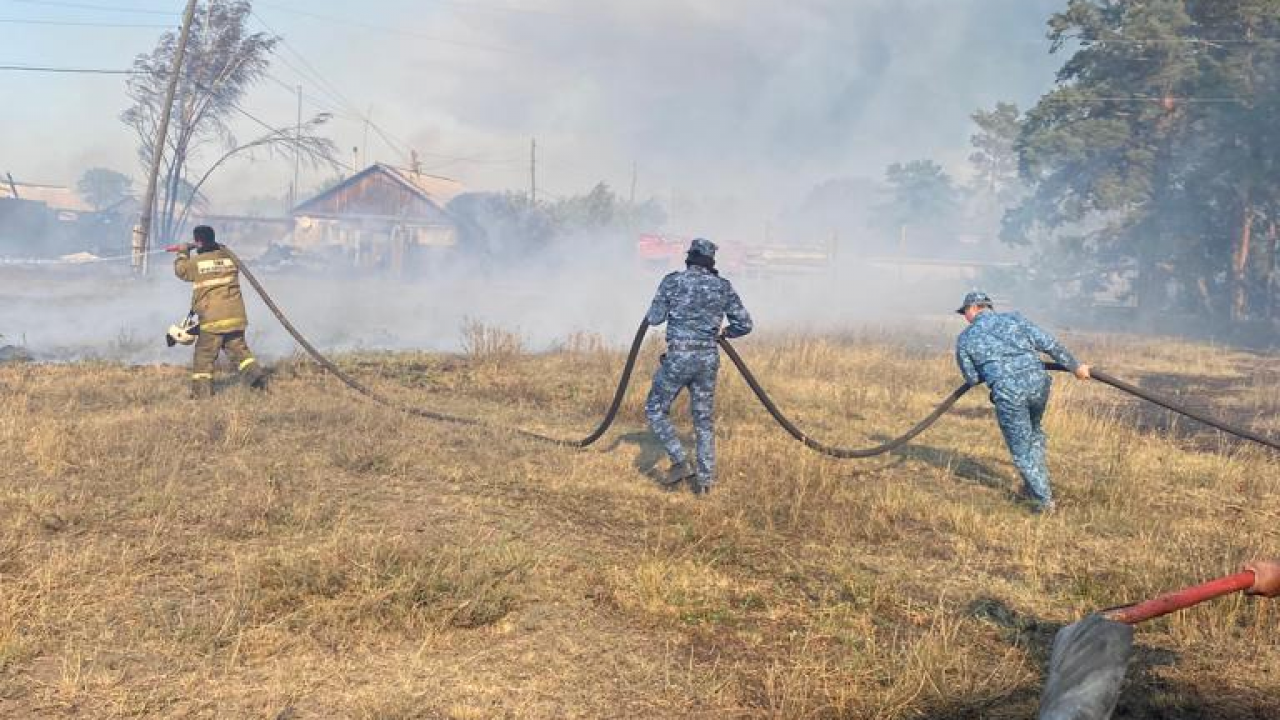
(761, 394)
(1089, 657)
(623, 382)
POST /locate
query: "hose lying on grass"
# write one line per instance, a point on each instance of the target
(623, 382)
(761, 394)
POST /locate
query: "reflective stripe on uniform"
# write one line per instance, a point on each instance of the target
(201, 376)
(215, 282)
(220, 265)
(247, 362)
(228, 325)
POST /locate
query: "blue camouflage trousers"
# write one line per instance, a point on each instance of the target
(695, 370)
(1020, 404)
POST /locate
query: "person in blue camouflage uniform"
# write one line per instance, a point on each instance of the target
(1003, 350)
(693, 304)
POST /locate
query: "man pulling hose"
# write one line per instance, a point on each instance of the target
(693, 303)
(216, 299)
(1003, 350)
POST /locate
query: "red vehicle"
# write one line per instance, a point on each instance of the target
(665, 253)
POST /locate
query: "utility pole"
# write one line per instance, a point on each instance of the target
(141, 234)
(297, 153)
(634, 172)
(364, 145)
(533, 172)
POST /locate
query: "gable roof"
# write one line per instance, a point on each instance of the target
(55, 196)
(440, 190)
(434, 190)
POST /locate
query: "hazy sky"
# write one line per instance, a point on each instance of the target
(755, 100)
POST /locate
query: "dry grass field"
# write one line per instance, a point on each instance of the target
(308, 554)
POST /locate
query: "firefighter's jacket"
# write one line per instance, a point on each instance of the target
(215, 297)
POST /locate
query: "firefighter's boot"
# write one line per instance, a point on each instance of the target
(201, 387)
(254, 376)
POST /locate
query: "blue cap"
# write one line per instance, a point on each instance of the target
(977, 297)
(702, 246)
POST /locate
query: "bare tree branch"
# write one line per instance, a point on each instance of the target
(314, 150)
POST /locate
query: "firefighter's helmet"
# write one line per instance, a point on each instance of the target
(184, 332)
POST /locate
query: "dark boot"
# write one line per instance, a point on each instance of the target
(255, 377)
(1045, 509)
(678, 473)
(700, 489)
(201, 389)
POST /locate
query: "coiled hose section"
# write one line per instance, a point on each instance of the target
(761, 394)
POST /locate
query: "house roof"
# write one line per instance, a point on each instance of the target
(441, 190)
(433, 189)
(55, 196)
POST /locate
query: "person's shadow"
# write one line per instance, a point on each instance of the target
(649, 461)
(961, 466)
(651, 454)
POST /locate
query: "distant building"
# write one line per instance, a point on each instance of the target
(249, 236)
(43, 221)
(55, 197)
(382, 218)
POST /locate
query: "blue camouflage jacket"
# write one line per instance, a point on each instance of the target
(1001, 347)
(693, 303)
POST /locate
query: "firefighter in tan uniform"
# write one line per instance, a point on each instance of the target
(216, 299)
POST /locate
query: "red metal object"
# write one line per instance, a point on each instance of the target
(667, 252)
(1181, 599)
(661, 247)
(175, 248)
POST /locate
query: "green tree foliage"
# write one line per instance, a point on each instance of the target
(1158, 148)
(1235, 176)
(923, 203)
(995, 154)
(501, 224)
(507, 224)
(601, 210)
(103, 188)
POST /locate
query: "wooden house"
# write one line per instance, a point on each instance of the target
(383, 218)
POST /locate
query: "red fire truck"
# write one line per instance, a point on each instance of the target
(658, 253)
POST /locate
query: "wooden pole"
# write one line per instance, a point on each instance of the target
(141, 236)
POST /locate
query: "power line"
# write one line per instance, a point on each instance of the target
(388, 29)
(283, 131)
(314, 76)
(310, 79)
(396, 144)
(91, 6)
(318, 102)
(448, 3)
(469, 7)
(1113, 37)
(69, 70)
(478, 160)
(77, 23)
(318, 78)
(1058, 97)
(104, 71)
